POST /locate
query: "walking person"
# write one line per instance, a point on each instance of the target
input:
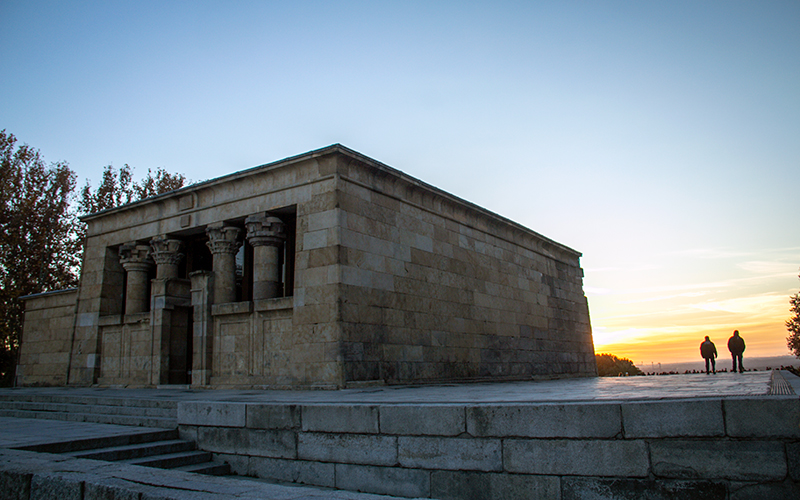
(709, 351)
(736, 346)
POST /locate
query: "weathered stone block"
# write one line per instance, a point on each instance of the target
(416, 420)
(323, 220)
(359, 419)
(109, 489)
(594, 488)
(206, 413)
(347, 448)
(273, 416)
(460, 485)
(294, 471)
(673, 419)
(736, 460)
(763, 417)
(15, 484)
(450, 453)
(49, 487)
(576, 457)
(793, 455)
(383, 480)
(254, 442)
(558, 420)
(761, 491)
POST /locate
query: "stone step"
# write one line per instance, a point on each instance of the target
(136, 421)
(76, 445)
(171, 460)
(95, 409)
(208, 468)
(139, 411)
(90, 400)
(157, 448)
(132, 451)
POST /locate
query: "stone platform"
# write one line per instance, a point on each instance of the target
(726, 436)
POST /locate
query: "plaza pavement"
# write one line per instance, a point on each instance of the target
(562, 391)
(18, 432)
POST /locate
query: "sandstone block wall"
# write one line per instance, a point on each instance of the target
(46, 338)
(436, 289)
(252, 347)
(126, 350)
(514, 451)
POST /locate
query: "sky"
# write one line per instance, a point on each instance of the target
(660, 139)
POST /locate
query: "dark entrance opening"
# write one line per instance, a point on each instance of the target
(180, 346)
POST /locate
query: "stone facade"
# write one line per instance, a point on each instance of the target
(327, 270)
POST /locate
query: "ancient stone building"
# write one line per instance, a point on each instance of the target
(328, 269)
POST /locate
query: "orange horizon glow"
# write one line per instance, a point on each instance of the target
(762, 340)
(667, 323)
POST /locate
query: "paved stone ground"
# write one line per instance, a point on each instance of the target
(566, 390)
(15, 432)
(18, 432)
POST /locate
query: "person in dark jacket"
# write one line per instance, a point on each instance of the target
(709, 351)
(736, 346)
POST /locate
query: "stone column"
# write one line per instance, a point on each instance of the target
(167, 256)
(266, 233)
(224, 243)
(136, 261)
(203, 324)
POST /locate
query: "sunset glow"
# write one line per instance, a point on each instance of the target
(666, 324)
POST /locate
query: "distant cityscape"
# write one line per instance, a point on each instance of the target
(723, 362)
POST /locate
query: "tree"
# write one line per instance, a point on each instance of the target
(793, 325)
(118, 188)
(41, 238)
(115, 190)
(38, 237)
(609, 365)
(163, 182)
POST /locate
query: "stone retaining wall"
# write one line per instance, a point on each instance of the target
(732, 448)
(47, 334)
(26, 475)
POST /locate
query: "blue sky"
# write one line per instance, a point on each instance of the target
(661, 139)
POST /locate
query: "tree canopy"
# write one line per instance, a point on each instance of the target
(793, 325)
(41, 237)
(117, 188)
(609, 365)
(39, 247)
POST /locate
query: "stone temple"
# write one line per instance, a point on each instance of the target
(324, 270)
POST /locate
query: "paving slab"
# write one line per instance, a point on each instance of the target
(19, 432)
(598, 389)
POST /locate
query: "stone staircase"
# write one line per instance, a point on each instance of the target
(80, 408)
(162, 449)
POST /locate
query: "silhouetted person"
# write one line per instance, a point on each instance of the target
(736, 346)
(709, 351)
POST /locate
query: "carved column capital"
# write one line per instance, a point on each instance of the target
(137, 262)
(166, 250)
(265, 229)
(223, 239)
(135, 257)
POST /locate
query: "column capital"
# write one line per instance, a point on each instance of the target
(166, 250)
(223, 239)
(135, 257)
(265, 229)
